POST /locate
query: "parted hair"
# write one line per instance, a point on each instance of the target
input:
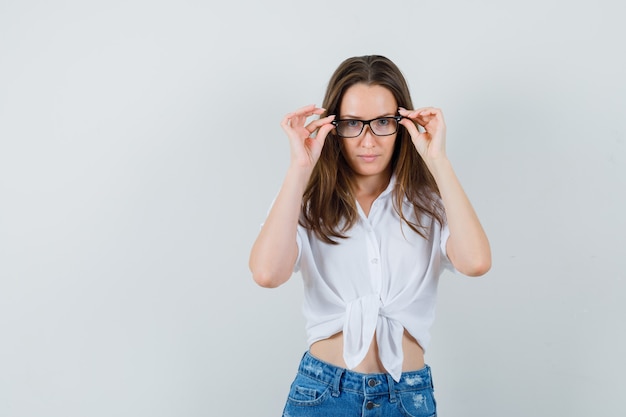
(329, 204)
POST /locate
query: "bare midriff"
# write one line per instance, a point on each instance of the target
(331, 350)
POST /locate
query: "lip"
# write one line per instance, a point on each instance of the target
(368, 158)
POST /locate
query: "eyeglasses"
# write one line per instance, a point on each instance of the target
(382, 126)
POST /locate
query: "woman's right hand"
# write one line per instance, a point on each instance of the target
(306, 140)
(274, 253)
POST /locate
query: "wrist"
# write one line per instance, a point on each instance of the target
(299, 174)
(438, 166)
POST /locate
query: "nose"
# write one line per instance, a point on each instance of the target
(368, 140)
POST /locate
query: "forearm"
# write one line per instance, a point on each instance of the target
(468, 246)
(274, 252)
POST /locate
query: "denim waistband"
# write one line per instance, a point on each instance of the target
(342, 379)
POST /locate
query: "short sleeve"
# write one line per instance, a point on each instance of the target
(301, 230)
(445, 260)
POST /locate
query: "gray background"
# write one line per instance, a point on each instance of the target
(140, 148)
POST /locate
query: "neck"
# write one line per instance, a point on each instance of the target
(373, 185)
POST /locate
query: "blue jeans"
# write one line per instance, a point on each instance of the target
(322, 389)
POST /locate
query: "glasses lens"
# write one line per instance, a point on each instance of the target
(384, 126)
(349, 128)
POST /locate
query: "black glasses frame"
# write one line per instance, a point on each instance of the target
(397, 118)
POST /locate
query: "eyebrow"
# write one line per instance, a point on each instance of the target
(349, 116)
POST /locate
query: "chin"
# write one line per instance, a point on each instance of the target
(370, 172)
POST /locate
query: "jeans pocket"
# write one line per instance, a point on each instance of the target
(307, 391)
(418, 403)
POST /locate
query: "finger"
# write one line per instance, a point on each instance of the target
(411, 114)
(425, 108)
(322, 134)
(404, 112)
(410, 118)
(429, 111)
(306, 111)
(420, 110)
(299, 117)
(426, 115)
(316, 124)
(410, 126)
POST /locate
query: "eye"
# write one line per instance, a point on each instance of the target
(352, 123)
(382, 122)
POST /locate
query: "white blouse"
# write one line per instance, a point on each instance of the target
(382, 279)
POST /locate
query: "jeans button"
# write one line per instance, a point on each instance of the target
(371, 383)
(369, 405)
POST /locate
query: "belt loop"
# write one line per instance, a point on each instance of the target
(430, 376)
(335, 392)
(392, 389)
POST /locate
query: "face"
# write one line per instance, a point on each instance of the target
(368, 155)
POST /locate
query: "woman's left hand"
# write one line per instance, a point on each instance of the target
(468, 246)
(431, 143)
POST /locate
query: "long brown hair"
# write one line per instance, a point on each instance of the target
(329, 205)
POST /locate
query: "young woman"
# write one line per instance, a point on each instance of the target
(370, 212)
